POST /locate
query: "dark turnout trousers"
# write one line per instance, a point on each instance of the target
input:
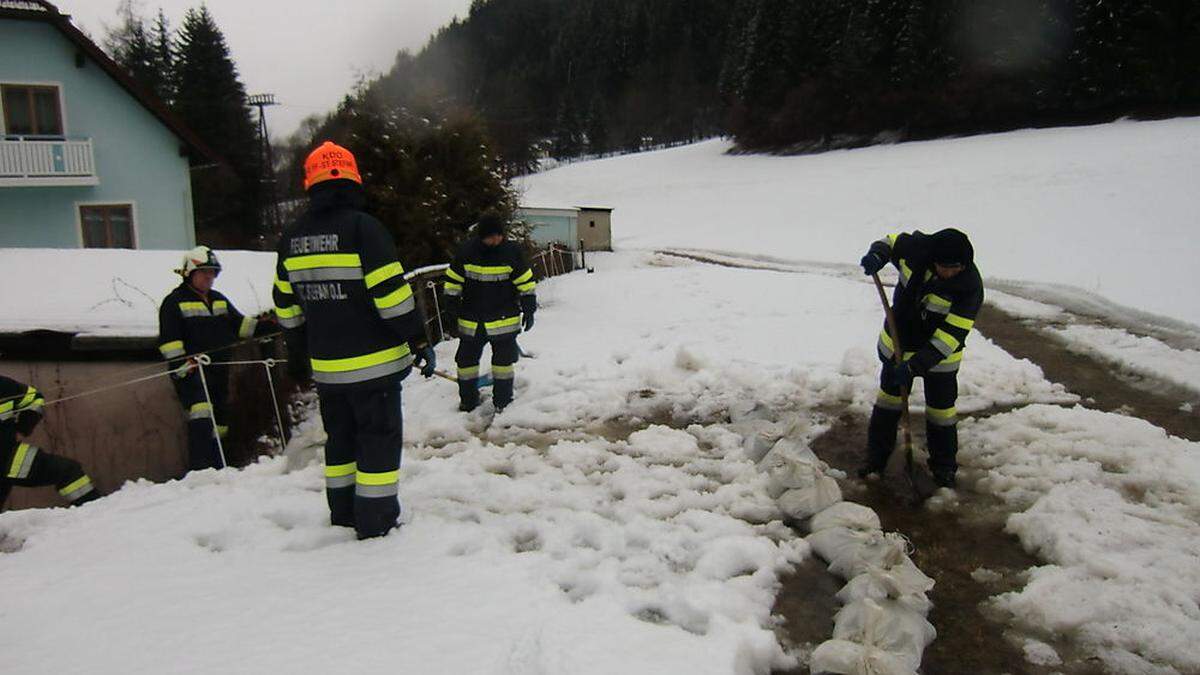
(25, 465)
(504, 359)
(362, 456)
(941, 420)
(202, 442)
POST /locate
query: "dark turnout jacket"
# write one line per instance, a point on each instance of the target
(341, 294)
(934, 316)
(492, 283)
(189, 323)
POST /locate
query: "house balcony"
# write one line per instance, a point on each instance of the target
(36, 162)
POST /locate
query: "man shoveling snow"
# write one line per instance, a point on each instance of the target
(935, 304)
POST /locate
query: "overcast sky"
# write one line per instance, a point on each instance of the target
(309, 53)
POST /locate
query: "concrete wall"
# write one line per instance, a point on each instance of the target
(139, 431)
(595, 229)
(137, 158)
(134, 432)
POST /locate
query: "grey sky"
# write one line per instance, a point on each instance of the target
(307, 52)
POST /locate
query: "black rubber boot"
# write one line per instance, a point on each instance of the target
(871, 466)
(943, 478)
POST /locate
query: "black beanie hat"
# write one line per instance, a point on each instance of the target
(951, 247)
(489, 225)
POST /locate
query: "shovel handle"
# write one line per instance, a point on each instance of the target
(898, 356)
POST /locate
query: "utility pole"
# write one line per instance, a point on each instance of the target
(267, 161)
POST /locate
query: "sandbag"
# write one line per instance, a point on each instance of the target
(842, 657)
(848, 515)
(849, 552)
(802, 503)
(880, 584)
(885, 625)
(790, 466)
(758, 437)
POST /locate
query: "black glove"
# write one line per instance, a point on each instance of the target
(528, 308)
(425, 360)
(27, 420)
(872, 262)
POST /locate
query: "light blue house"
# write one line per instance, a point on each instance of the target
(88, 158)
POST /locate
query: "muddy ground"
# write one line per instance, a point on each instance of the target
(951, 544)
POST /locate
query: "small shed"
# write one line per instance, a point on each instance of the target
(595, 228)
(551, 225)
(570, 227)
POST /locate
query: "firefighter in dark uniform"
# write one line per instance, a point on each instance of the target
(196, 319)
(935, 303)
(27, 465)
(491, 297)
(353, 326)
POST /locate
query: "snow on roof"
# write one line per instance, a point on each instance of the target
(114, 292)
(26, 5)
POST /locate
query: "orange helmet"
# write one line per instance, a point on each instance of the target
(330, 162)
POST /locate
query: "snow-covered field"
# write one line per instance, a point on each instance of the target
(1109, 209)
(611, 519)
(554, 541)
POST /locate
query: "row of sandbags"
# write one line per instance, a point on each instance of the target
(882, 627)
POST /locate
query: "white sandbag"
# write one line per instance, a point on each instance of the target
(851, 552)
(789, 467)
(846, 514)
(881, 584)
(802, 503)
(909, 578)
(878, 550)
(758, 437)
(784, 450)
(886, 625)
(841, 657)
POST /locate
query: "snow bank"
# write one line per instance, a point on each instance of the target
(588, 557)
(1138, 354)
(110, 292)
(1025, 197)
(1113, 504)
(575, 533)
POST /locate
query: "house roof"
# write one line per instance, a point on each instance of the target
(40, 10)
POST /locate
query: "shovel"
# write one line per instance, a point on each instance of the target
(910, 469)
(483, 381)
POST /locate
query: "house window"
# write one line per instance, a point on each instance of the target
(107, 225)
(592, 223)
(31, 110)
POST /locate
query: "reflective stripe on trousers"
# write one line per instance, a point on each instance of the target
(22, 461)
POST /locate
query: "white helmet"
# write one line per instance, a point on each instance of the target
(199, 258)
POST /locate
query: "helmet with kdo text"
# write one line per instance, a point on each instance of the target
(330, 161)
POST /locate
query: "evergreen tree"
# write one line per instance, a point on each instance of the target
(163, 58)
(211, 100)
(131, 46)
(427, 179)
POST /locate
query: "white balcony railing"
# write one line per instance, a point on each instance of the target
(31, 162)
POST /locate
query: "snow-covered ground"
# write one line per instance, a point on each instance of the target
(1109, 209)
(1113, 505)
(110, 292)
(609, 521)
